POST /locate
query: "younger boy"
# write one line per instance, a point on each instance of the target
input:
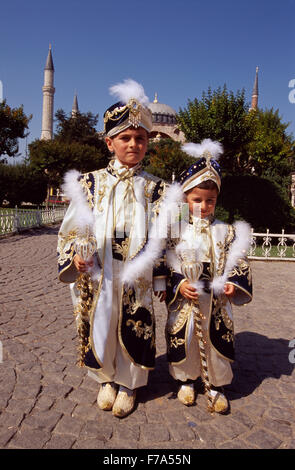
(209, 270)
(118, 336)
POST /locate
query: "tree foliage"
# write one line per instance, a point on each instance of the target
(223, 116)
(13, 125)
(76, 145)
(20, 183)
(165, 157)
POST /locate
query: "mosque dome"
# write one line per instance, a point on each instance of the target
(162, 113)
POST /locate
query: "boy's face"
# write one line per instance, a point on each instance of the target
(129, 146)
(201, 202)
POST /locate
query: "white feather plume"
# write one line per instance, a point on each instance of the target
(197, 150)
(72, 189)
(129, 89)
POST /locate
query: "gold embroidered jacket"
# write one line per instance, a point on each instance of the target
(225, 262)
(103, 190)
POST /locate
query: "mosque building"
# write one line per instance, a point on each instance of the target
(163, 116)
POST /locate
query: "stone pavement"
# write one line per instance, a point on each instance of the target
(47, 402)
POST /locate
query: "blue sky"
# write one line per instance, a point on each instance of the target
(176, 48)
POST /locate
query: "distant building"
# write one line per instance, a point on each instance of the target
(164, 122)
(254, 101)
(48, 99)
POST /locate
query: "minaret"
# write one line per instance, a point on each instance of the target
(48, 94)
(254, 102)
(75, 108)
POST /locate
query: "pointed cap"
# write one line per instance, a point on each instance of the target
(49, 61)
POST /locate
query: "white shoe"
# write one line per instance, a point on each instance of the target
(124, 402)
(107, 396)
(220, 402)
(186, 394)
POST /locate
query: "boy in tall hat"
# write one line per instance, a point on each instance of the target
(106, 226)
(209, 271)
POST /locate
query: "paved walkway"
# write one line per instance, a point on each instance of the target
(47, 402)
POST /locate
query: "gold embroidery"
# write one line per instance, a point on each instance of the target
(180, 320)
(82, 314)
(131, 305)
(146, 330)
(64, 245)
(101, 190)
(86, 185)
(229, 337)
(175, 342)
(156, 204)
(220, 314)
(121, 249)
(242, 269)
(224, 248)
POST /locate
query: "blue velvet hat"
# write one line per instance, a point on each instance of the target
(205, 168)
(131, 111)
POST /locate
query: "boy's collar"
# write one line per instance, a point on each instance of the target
(205, 222)
(117, 169)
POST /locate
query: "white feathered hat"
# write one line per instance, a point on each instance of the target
(130, 111)
(205, 168)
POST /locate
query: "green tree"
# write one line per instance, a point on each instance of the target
(223, 116)
(76, 145)
(80, 128)
(19, 183)
(163, 158)
(271, 148)
(53, 158)
(13, 125)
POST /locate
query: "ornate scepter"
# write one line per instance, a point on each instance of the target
(192, 269)
(85, 247)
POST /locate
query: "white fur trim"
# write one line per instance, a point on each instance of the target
(72, 189)
(238, 250)
(157, 241)
(129, 89)
(207, 145)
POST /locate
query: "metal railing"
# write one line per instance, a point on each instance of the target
(264, 246)
(272, 246)
(15, 220)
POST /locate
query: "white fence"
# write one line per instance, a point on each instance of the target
(15, 220)
(272, 246)
(264, 246)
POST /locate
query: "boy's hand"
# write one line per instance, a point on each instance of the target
(81, 265)
(161, 294)
(229, 290)
(188, 291)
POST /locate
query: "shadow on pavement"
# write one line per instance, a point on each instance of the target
(257, 358)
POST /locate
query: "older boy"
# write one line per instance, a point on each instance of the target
(120, 339)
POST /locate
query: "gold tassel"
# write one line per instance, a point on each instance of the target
(84, 285)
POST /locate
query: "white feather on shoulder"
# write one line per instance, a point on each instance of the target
(73, 190)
